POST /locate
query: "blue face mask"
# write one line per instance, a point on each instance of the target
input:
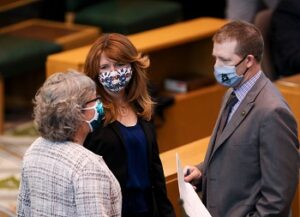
(95, 122)
(227, 76)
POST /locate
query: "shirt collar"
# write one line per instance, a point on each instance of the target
(242, 91)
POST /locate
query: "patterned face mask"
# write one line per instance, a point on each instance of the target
(116, 80)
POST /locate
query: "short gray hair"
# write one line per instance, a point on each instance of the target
(58, 104)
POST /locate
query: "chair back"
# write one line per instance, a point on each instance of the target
(262, 22)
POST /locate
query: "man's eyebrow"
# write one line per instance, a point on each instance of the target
(224, 59)
(221, 58)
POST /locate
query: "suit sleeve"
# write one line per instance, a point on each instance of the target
(164, 206)
(279, 161)
(198, 183)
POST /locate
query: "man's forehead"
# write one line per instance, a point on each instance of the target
(226, 44)
(224, 47)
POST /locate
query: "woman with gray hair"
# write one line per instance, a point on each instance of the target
(59, 176)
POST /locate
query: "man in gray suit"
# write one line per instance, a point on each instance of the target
(252, 163)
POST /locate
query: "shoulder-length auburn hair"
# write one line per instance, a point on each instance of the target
(118, 47)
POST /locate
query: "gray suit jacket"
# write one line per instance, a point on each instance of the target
(253, 168)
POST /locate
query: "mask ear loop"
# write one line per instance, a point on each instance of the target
(243, 74)
(241, 61)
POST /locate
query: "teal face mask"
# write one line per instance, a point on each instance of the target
(227, 76)
(95, 122)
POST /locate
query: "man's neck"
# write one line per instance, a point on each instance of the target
(250, 73)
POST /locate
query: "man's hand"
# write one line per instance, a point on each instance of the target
(191, 174)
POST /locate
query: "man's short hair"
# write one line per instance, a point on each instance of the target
(248, 37)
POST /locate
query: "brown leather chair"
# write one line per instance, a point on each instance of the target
(262, 21)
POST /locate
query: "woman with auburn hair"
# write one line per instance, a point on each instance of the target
(127, 139)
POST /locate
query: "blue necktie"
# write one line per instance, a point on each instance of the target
(225, 115)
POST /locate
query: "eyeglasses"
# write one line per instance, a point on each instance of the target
(97, 99)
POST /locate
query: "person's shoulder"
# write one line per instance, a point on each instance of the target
(101, 130)
(38, 146)
(31, 151)
(87, 161)
(142, 120)
(68, 154)
(270, 100)
(82, 153)
(146, 124)
(272, 97)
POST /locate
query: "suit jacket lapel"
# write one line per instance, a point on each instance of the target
(215, 130)
(239, 115)
(114, 126)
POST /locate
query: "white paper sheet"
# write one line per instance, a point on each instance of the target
(192, 204)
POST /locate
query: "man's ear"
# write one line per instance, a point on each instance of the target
(250, 60)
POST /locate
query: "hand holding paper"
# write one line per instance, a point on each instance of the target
(192, 204)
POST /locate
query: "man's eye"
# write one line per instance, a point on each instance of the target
(224, 60)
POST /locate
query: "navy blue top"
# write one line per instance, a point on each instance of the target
(135, 195)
